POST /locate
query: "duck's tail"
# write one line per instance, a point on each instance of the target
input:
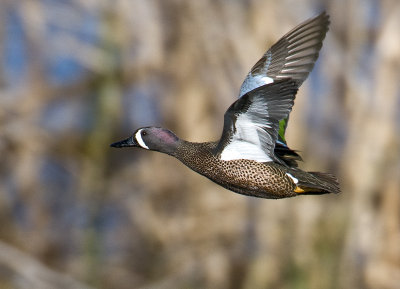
(315, 183)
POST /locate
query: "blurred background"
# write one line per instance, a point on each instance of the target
(77, 75)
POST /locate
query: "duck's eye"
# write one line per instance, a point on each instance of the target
(143, 133)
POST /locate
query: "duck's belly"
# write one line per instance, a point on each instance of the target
(264, 180)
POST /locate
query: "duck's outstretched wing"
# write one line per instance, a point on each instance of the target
(293, 56)
(251, 123)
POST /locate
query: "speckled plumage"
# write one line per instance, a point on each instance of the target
(247, 177)
(242, 176)
(252, 157)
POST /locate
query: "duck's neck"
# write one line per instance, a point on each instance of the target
(191, 150)
(199, 157)
(171, 149)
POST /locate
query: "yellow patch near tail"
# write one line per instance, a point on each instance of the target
(299, 190)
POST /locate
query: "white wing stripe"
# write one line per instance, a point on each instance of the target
(245, 143)
(237, 150)
(293, 178)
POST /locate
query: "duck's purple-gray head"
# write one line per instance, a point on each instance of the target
(151, 138)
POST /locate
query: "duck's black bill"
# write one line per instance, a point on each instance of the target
(129, 142)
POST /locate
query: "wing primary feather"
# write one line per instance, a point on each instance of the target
(302, 44)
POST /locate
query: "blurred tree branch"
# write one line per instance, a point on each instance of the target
(25, 272)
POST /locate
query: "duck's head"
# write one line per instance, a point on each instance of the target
(151, 138)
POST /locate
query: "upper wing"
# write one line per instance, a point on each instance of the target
(251, 123)
(293, 56)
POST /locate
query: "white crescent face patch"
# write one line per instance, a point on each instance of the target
(138, 137)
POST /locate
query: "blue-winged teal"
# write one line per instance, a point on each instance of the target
(252, 157)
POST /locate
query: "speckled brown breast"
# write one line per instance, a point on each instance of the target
(264, 180)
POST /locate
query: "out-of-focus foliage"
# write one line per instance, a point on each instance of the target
(77, 75)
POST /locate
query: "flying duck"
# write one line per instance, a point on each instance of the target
(252, 157)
